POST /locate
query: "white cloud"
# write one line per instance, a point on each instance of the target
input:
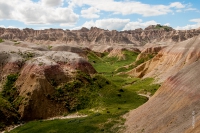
(138, 24)
(192, 26)
(52, 3)
(91, 12)
(187, 27)
(3, 26)
(167, 24)
(110, 24)
(191, 9)
(5, 10)
(177, 5)
(178, 10)
(36, 13)
(117, 24)
(128, 7)
(42, 28)
(139, 20)
(195, 20)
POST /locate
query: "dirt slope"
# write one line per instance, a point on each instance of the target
(175, 108)
(169, 60)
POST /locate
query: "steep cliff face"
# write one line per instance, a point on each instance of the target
(174, 108)
(169, 60)
(98, 36)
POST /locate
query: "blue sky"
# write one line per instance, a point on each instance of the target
(105, 14)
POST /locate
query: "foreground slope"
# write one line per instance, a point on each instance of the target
(174, 108)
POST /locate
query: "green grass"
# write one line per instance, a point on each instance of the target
(8, 114)
(49, 47)
(135, 64)
(5, 103)
(104, 97)
(108, 65)
(26, 55)
(1, 40)
(7, 106)
(144, 86)
(9, 91)
(103, 102)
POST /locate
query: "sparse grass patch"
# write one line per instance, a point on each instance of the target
(17, 43)
(26, 55)
(49, 47)
(9, 91)
(144, 59)
(1, 40)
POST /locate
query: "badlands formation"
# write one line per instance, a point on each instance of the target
(36, 55)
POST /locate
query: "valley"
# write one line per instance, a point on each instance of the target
(130, 81)
(104, 97)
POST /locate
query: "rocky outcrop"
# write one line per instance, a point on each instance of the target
(169, 60)
(95, 35)
(174, 108)
(40, 72)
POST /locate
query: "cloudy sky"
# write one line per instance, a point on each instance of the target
(105, 14)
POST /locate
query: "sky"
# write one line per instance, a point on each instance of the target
(105, 14)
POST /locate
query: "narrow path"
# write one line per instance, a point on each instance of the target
(66, 117)
(145, 95)
(8, 129)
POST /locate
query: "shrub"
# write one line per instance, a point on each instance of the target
(9, 91)
(166, 28)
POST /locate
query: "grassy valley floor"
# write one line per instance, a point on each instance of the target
(105, 98)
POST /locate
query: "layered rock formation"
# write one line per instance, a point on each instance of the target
(41, 68)
(175, 106)
(169, 60)
(40, 72)
(98, 36)
(173, 109)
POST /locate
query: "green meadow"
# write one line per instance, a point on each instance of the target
(104, 97)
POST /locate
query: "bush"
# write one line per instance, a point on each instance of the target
(81, 93)
(167, 28)
(9, 91)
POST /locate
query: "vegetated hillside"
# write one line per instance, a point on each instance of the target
(105, 96)
(84, 36)
(174, 108)
(168, 60)
(30, 80)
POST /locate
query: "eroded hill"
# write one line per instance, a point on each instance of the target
(139, 37)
